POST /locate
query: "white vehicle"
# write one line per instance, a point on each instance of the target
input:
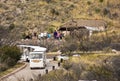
(62, 57)
(37, 60)
(25, 49)
(25, 57)
(36, 56)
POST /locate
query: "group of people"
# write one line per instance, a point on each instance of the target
(44, 35)
(58, 35)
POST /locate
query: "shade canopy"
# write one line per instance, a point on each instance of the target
(35, 48)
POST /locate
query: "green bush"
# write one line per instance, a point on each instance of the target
(101, 1)
(67, 65)
(97, 10)
(9, 55)
(50, 29)
(106, 11)
(24, 36)
(89, 3)
(69, 48)
(3, 67)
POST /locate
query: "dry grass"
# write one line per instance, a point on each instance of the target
(36, 13)
(85, 67)
(92, 59)
(74, 9)
(96, 66)
(11, 69)
(55, 24)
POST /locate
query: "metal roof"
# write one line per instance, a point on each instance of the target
(36, 48)
(81, 23)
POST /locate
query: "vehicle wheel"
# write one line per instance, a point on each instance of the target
(54, 58)
(27, 60)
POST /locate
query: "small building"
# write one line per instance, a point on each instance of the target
(77, 24)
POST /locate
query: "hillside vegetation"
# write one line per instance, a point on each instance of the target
(9, 56)
(19, 16)
(100, 67)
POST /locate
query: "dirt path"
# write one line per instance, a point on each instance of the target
(26, 74)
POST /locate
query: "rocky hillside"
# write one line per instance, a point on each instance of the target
(19, 16)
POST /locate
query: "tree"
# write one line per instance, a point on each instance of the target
(69, 48)
(10, 55)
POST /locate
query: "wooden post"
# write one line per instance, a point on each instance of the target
(54, 58)
(46, 71)
(53, 67)
(58, 64)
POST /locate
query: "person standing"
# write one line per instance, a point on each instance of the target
(58, 35)
(48, 35)
(55, 34)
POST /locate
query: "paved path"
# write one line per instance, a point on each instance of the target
(26, 74)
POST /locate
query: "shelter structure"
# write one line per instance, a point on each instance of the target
(91, 25)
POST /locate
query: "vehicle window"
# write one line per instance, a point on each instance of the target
(36, 56)
(63, 55)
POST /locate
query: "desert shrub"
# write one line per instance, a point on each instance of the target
(4, 6)
(84, 46)
(101, 1)
(51, 46)
(95, 42)
(69, 48)
(71, 6)
(26, 36)
(106, 11)
(48, 1)
(74, 71)
(11, 27)
(116, 66)
(67, 65)
(23, 35)
(50, 29)
(10, 55)
(54, 12)
(89, 3)
(107, 50)
(97, 10)
(103, 73)
(115, 15)
(57, 75)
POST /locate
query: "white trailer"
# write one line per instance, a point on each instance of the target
(37, 60)
(36, 57)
